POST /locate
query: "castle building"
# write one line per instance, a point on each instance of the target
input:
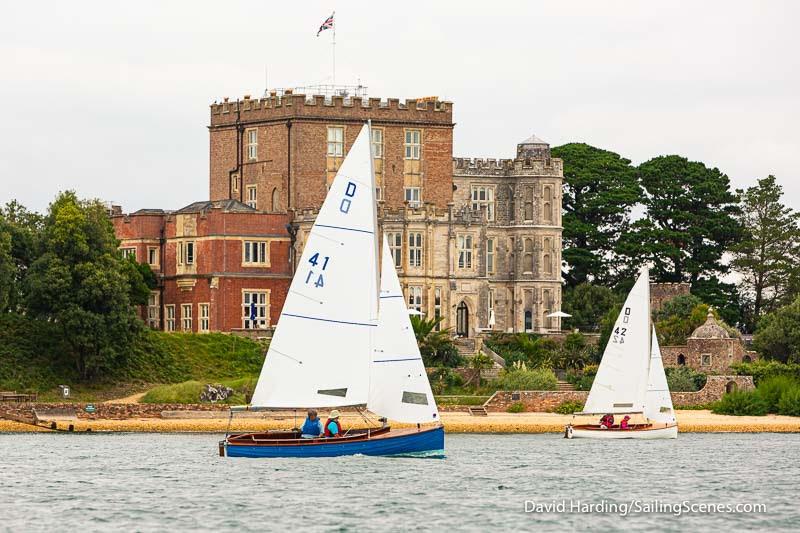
(221, 265)
(475, 241)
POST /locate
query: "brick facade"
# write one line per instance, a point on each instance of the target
(492, 260)
(199, 257)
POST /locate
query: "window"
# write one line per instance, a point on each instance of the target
(528, 320)
(483, 197)
(465, 251)
(548, 204)
(154, 309)
(254, 309)
(412, 144)
(186, 317)
(528, 215)
(252, 196)
(235, 183)
(396, 247)
(204, 318)
(152, 256)
(186, 253)
(252, 144)
(547, 258)
(489, 256)
(415, 249)
(378, 193)
(527, 259)
(255, 252)
(437, 306)
(335, 141)
(413, 197)
(415, 298)
(128, 252)
(169, 323)
(705, 359)
(377, 143)
(490, 309)
(276, 200)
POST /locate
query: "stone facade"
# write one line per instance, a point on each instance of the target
(660, 293)
(545, 401)
(210, 259)
(475, 241)
(710, 349)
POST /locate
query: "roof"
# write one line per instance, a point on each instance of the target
(533, 139)
(227, 206)
(711, 329)
(149, 212)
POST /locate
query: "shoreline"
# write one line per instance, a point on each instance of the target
(454, 422)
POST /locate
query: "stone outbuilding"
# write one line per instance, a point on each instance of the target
(710, 349)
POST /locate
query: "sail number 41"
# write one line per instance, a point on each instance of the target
(314, 260)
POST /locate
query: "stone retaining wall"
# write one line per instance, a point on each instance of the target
(544, 401)
(105, 411)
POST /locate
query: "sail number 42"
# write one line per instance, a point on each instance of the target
(318, 281)
(619, 333)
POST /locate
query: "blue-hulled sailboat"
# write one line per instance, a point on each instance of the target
(344, 338)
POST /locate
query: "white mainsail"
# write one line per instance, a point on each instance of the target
(320, 353)
(399, 386)
(621, 381)
(658, 402)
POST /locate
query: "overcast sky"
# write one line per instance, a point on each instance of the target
(111, 99)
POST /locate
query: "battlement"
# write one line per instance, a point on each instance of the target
(291, 105)
(465, 166)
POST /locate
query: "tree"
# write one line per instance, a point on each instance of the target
(778, 334)
(600, 188)
(587, 304)
(83, 286)
(436, 347)
(690, 222)
(24, 230)
(7, 269)
(767, 255)
(723, 297)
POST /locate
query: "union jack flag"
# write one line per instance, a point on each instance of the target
(328, 24)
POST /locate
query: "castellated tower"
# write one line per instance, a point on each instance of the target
(475, 241)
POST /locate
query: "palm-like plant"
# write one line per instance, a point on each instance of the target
(436, 347)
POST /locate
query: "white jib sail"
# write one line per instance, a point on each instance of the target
(658, 402)
(320, 353)
(399, 386)
(621, 380)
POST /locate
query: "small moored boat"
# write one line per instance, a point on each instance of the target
(344, 338)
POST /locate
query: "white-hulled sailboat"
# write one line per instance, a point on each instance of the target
(344, 338)
(630, 379)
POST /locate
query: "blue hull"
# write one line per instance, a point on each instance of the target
(425, 443)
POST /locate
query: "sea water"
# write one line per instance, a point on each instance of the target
(178, 482)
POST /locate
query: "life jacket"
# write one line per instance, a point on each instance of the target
(311, 427)
(338, 428)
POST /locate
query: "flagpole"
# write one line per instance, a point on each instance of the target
(333, 45)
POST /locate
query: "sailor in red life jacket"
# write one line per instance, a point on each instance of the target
(332, 426)
(624, 423)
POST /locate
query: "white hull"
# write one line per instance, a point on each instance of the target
(669, 432)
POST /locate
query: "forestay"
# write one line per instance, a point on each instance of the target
(320, 353)
(621, 380)
(658, 402)
(399, 386)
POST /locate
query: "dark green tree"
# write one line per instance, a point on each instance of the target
(23, 228)
(778, 334)
(690, 222)
(587, 304)
(767, 255)
(600, 188)
(81, 284)
(723, 297)
(7, 268)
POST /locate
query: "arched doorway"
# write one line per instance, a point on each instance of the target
(747, 359)
(462, 320)
(731, 386)
(681, 360)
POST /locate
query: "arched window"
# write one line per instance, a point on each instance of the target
(528, 320)
(731, 386)
(462, 320)
(276, 200)
(548, 264)
(547, 207)
(681, 360)
(747, 359)
(528, 203)
(547, 259)
(527, 259)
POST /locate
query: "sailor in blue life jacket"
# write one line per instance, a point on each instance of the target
(332, 427)
(312, 427)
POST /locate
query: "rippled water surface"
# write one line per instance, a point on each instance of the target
(138, 482)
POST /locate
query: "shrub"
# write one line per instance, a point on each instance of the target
(444, 378)
(536, 379)
(582, 380)
(568, 407)
(771, 390)
(762, 370)
(741, 403)
(517, 407)
(685, 379)
(789, 404)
